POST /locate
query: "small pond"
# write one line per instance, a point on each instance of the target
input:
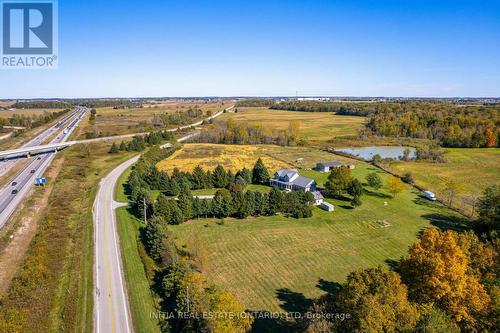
(367, 153)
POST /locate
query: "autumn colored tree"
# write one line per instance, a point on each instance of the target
(394, 185)
(490, 138)
(436, 272)
(377, 302)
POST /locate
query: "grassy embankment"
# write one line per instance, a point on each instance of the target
(53, 289)
(141, 299)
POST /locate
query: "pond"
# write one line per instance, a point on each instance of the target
(367, 153)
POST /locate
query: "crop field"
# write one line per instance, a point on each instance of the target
(110, 121)
(472, 169)
(314, 126)
(270, 261)
(208, 156)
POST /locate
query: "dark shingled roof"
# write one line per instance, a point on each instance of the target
(331, 164)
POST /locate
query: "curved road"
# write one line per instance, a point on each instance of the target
(111, 310)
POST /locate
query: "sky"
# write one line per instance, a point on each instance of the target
(121, 48)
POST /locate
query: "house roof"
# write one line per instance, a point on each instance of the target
(331, 164)
(293, 176)
(317, 195)
(286, 172)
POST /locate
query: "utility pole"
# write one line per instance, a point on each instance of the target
(187, 291)
(145, 211)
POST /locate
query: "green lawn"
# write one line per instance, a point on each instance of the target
(141, 299)
(140, 296)
(473, 169)
(258, 258)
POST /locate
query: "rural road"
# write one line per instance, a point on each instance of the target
(111, 305)
(111, 310)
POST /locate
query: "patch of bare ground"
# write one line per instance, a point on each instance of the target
(18, 233)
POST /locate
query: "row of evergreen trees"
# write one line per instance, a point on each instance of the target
(230, 200)
(140, 142)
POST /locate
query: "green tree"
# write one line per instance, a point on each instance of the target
(374, 180)
(260, 175)
(123, 146)
(436, 321)
(338, 181)
(113, 149)
(185, 202)
(355, 189)
(219, 177)
(274, 201)
(222, 203)
(489, 209)
(356, 201)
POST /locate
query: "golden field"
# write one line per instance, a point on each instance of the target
(208, 156)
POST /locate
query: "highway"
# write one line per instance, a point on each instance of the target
(111, 310)
(6, 165)
(16, 189)
(54, 146)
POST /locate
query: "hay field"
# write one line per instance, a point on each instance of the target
(314, 126)
(208, 156)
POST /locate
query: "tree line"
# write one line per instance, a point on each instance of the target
(140, 142)
(451, 125)
(32, 121)
(178, 118)
(176, 204)
(233, 132)
(42, 105)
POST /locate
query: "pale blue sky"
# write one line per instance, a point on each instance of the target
(267, 48)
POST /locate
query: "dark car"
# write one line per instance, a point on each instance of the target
(39, 158)
(32, 171)
(14, 191)
(14, 183)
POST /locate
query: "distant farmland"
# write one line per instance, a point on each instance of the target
(314, 126)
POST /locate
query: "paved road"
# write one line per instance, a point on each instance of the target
(6, 165)
(111, 311)
(16, 189)
(54, 146)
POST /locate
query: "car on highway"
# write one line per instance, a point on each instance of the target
(14, 183)
(39, 158)
(14, 191)
(32, 171)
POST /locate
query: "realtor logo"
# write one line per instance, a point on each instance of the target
(29, 34)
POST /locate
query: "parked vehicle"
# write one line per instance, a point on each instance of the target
(429, 195)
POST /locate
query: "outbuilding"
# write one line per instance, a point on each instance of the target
(429, 195)
(327, 206)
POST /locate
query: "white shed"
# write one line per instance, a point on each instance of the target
(429, 195)
(327, 206)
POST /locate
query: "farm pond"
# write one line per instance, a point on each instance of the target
(367, 153)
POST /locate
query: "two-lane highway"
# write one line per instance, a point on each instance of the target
(111, 310)
(14, 192)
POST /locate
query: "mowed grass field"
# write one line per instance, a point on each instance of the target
(473, 169)
(269, 261)
(314, 126)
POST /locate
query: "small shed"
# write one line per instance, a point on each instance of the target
(318, 198)
(327, 206)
